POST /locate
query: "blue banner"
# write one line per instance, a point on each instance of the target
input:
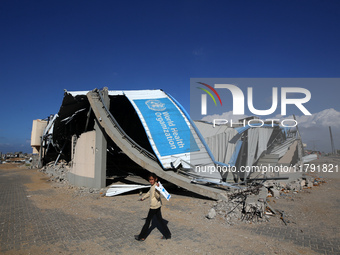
(167, 126)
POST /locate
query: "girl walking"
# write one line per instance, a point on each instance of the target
(155, 209)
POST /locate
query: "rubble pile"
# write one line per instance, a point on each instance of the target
(276, 189)
(35, 161)
(57, 172)
(251, 205)
(230, 210)
(247, 205)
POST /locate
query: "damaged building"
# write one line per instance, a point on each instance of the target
(104, 134)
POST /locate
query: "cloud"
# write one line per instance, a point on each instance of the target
(325, 118)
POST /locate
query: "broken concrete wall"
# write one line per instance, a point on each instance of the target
(85, 171)
(84, 155)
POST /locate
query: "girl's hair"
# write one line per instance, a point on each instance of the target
(153, 176)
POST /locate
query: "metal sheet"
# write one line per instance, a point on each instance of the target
(233, 158)
(220, 145)
(120, 189)
(218, 139)
(309, 158)
(264, 135)
(253, 137)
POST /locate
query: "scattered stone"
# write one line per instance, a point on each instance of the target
(58, 174)
(211, 214)
(295, 186)
(274, 192)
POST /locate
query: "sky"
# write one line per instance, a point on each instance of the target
(49, 46)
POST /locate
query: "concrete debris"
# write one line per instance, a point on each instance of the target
(83, 191)
(276, 188)
(57, 172)
(309, 185)
(251, 205)
(303, 183)
(247, 205)
(211, 214)
(35, 161)
(254, 206)
(274, 192)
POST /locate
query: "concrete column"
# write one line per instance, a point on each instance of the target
(101, 148)
(100, 158)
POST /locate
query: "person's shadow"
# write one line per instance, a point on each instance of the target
(156, 224)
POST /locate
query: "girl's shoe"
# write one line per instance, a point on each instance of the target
(139, 239)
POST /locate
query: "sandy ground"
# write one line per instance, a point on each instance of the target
(312, 210)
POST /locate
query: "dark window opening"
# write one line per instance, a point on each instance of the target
(119, 165)
(126, 116)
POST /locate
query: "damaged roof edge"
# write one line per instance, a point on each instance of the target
(110, 92)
